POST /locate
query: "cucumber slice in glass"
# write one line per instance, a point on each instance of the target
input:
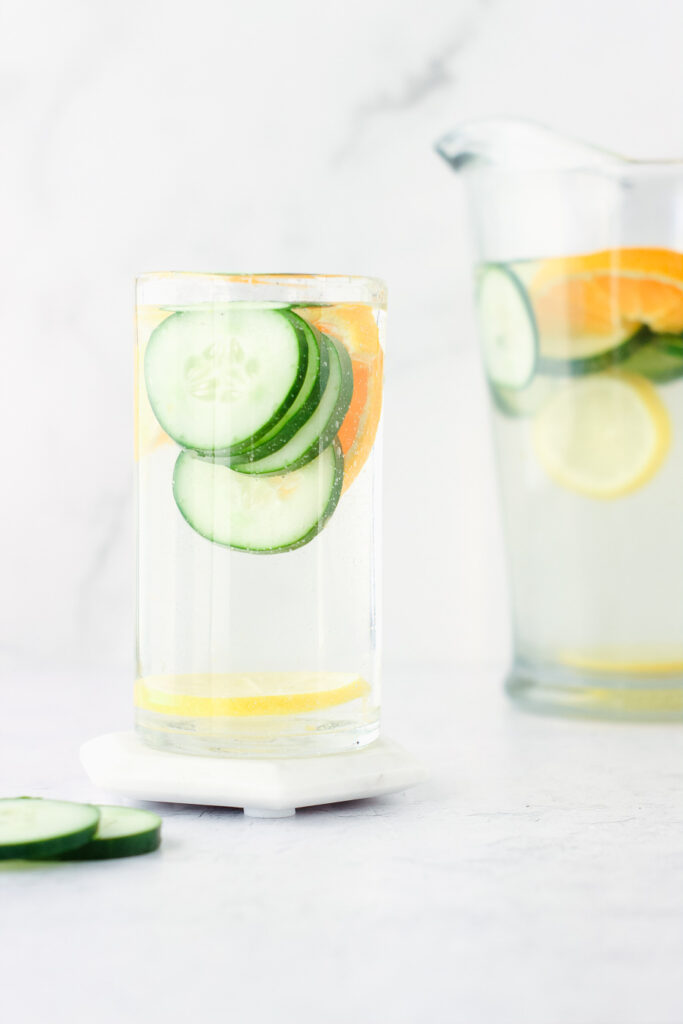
(32, 827)
(320, 429)
(121, 832)
(508, 327)
(220, 379)
(304, 404)
(263, 514)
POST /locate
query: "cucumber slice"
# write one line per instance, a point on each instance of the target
(601, 358)
(218, 379)
(320, 429)
(508, 327)
(121, 832)
(263, 514)
(659, 358)
(672, 343)
(31, 827)
(305, 403)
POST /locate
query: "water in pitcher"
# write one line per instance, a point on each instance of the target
(584, 357)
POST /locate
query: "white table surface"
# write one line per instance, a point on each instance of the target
(537, 878)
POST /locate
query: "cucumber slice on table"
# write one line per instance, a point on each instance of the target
(220, 379)
(264, 514)
(507, 326)
(305, 403)
(320, 428)
(31, 827)
(121, 832)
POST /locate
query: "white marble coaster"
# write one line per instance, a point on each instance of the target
(120, 762)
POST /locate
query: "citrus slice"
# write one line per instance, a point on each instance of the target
(242, 694)
(148, 434)
(604, 435)
(647, 701)
(618, 663)
(590, 304)
(354, 325)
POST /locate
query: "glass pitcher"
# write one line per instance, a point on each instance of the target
(579, 297)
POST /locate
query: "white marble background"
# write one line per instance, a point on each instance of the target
(220, 135)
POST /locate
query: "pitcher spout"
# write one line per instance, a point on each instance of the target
(520, 145)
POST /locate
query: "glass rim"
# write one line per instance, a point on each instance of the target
(201, 286)
(285, 277)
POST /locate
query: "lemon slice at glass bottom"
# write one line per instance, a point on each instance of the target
(634, 701)
(203, 695)
(630, 698)
(603, 435)
(616, 663)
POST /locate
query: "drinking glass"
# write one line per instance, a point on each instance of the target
(258, 402)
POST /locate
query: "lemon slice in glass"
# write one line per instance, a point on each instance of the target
(240, 693)
(603, 435)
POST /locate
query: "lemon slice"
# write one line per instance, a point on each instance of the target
(639, 702)
(239, 694)
(619, 663)
(603, 436)
(623, 694)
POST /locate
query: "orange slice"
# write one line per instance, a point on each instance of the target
(354, 325)
(606, 296)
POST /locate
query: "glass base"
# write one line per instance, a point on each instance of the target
(310, 735)
(555, 689)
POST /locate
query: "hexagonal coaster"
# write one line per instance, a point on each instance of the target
(121, 763)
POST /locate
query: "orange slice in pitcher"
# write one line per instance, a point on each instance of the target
(354, 325)
(588, 304)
